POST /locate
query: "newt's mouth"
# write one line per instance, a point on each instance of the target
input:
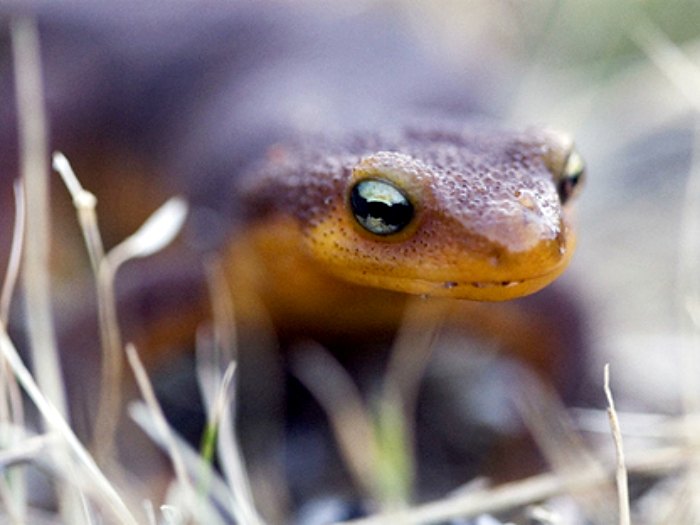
(484, 284)
(485, 290)
(495, 290)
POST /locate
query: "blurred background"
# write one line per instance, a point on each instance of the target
(622, 77)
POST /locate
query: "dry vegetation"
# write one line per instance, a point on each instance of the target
(622, 225)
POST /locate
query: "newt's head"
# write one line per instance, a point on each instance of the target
(473, 214)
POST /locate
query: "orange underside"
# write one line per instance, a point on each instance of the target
(271, 276)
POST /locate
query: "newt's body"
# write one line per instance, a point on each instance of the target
(331, 230)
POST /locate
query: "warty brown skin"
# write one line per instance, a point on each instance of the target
(147, 103)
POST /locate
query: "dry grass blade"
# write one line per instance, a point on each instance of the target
(107, 413)
(215, 355)
(109, 497)
(376, 444)
(172, 515)
(658, 462)
(150, 512)
(158, 417)
(512, 495)
(518, 494)
(409, 358)
(564, 450)
(621, 473)
(394, 430)
(224, 349)
(27, 449)
(109, 399)
(413, 346)
(15, 507)
(193, 505)
(156, 233)
(230, 454)
(13, 264)
(342, 402)
(689, 299)
(33, 140)
(13, 491)
(218, 392)
(85, 204)
(219, 493)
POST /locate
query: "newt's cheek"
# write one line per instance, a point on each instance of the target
(430, 264)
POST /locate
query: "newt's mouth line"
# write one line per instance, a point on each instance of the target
(449, 285)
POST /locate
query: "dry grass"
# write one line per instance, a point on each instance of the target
(379, 449)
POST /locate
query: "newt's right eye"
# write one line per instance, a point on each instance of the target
(570, 179)
(380, 206)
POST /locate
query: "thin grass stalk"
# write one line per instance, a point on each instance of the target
(225, 336)
(109, 499)
(112, 368)
(12, 487)
(216, 354)
(230, 455)
(27, 448)
(219, 491)
(350, 421)
(215, 370)
(109, 399)
(33, 140)
(621, 472)
(85, 204)
(564, 450)
(689, 297)
(505, 497)
(15, 505)
(13, 264)
(408, 361)
(150, 512)
(156, 233)
(193, 505)
(656, 462)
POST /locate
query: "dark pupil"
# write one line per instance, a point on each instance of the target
(571, 177)
(566, 187)
(378, 216)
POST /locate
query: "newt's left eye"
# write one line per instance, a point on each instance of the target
(380, 207)
(571, 177)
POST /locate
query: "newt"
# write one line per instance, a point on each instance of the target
(336, 220)
(337, 233)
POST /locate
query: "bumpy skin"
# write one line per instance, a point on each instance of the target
(488, 222)
(146, 102)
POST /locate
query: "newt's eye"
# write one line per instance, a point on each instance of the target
(571, 177)
(380, 207)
